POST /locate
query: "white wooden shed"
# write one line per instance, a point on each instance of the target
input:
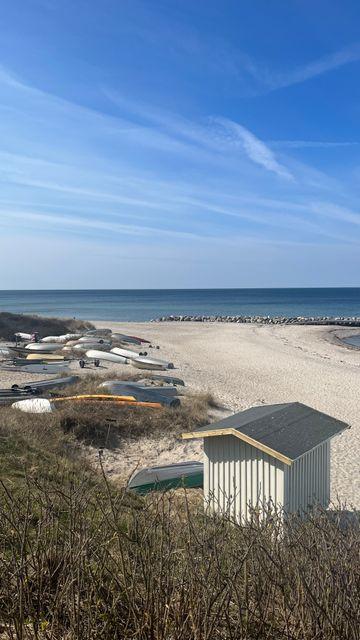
(277, 455)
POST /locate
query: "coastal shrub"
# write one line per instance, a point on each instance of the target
(80, 560)
(10, 323)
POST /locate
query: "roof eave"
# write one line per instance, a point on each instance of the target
(238, 434)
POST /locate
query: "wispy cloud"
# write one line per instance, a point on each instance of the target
(310, 70)
(309, 144)
(256, 149)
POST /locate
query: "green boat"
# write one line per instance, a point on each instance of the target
(172, 476)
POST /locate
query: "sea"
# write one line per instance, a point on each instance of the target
(142, 305)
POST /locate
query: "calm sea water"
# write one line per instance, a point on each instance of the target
(353, 340)
(143, 305)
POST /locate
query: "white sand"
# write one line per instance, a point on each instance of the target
(246, 365)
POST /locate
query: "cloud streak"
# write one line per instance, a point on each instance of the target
(255, 148)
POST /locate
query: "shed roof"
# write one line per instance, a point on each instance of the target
(285, 431)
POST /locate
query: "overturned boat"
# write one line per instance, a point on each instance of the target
(172, 476)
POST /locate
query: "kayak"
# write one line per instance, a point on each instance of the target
(163, 478)
(94, 354)
(43, 405)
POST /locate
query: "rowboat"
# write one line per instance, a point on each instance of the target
(113, 385)
(94, 354)
(53, 339)
(162, 478)
(126, 353)
(151, 363)
(42, 347)
(85, 346)
(145, 394)
(43, 405)
(23, 336)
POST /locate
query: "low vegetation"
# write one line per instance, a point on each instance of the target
(10, 323)
(82, 559)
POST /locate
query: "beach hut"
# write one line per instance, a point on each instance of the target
(272, 455)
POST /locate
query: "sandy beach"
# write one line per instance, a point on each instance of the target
(246, 365)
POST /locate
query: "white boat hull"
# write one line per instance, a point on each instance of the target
(42, 347)
(94, 354)
(126, 353)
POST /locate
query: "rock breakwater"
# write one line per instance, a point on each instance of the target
(297, 320)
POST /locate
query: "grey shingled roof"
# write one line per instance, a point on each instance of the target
(291, 429)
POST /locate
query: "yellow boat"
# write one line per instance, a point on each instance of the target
(45, 356)
(122, 400)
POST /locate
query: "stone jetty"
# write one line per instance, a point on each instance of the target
(298, 320)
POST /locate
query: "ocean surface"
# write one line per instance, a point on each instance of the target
(353, 340)
(142, 305)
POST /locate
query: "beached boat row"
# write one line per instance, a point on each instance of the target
(53, 354)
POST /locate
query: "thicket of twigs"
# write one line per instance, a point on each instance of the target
(79, 560)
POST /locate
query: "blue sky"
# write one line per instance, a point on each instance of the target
(179, 144)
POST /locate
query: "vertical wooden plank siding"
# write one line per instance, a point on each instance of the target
(238, 477)
(307, 480)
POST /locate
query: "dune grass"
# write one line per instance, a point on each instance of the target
(10, 323)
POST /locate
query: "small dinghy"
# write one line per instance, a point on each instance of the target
(112, 385)
(23, 336)
(151, 363)
(53, 339)
(126, 353)
(144, 394)
(42, 347)
(95, 354)
(81, 347)
(183, 474)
